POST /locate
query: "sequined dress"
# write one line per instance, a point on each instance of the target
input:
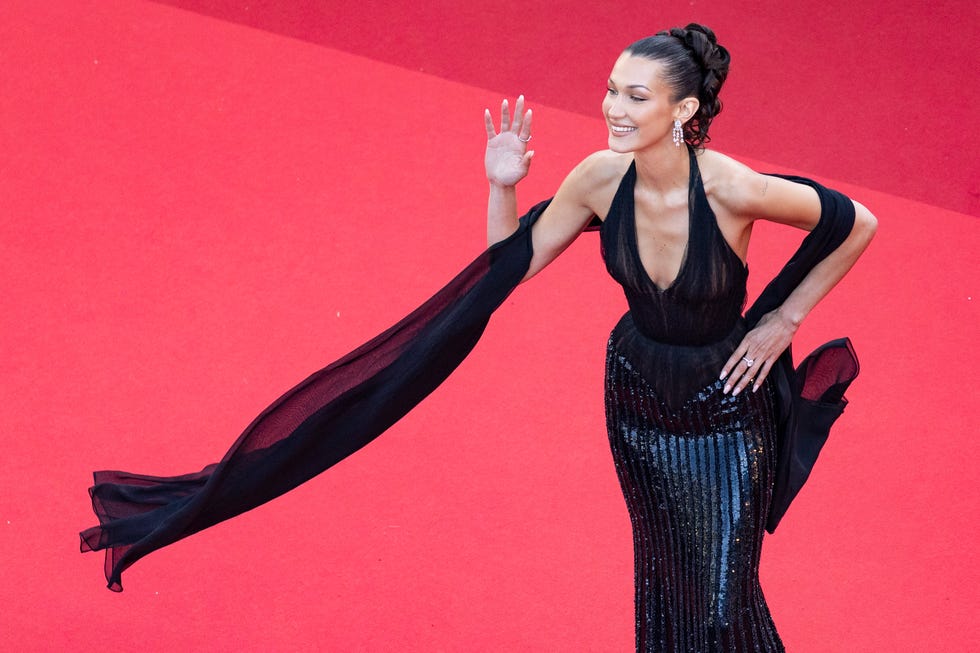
(695, 465)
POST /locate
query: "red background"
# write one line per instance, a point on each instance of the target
(199, 210)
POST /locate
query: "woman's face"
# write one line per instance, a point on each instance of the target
(637, 107)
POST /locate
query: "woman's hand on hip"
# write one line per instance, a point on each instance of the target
(759, 350)
(507, 158)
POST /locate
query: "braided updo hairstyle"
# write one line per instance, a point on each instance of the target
(694, 66)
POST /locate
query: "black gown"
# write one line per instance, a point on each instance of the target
(696, 466)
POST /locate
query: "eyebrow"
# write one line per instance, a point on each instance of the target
(631, 85)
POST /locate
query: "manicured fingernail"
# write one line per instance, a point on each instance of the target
(735, 394)
(755, 388)
(728, 388)
(721, 377)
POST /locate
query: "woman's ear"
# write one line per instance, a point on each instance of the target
(686, 109)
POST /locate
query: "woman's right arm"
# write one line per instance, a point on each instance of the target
(507, 162)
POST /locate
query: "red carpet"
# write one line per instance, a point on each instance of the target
(195, 208)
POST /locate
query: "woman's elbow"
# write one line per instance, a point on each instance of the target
(865, 223)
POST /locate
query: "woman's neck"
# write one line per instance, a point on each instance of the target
(663, 168)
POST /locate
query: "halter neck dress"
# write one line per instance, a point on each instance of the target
(695, 465)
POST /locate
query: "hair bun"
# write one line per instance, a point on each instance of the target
(713, 60)
(703, 44)
(695, 65)
(702, 29)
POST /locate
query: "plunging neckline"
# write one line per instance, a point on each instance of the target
(635, 240)
(702, 302)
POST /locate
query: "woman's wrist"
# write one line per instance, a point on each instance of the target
(501, 212)
(502, 188)
(792, 318)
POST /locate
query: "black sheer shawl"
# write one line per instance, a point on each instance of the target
(344, 406)
(321, 421)
(811, 397)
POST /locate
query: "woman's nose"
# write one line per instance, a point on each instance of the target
(614, 107)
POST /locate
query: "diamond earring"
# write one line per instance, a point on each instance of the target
(678, 133)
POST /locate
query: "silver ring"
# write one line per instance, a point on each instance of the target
(525, 140)
(749, 362)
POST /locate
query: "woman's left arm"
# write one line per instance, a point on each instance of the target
(779, 200)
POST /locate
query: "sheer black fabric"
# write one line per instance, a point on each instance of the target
(812, 400)
(675, 372)
(836, 222)
(804, 423)
(705, 300)
(324, 419)
(701, 307)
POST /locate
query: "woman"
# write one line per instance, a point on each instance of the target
(690, 407)
(694, 452)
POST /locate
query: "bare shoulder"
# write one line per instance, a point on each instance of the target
(600, 168)
(597, 177)
(744, 194)
(728, 182)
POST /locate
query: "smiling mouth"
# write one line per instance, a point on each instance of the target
(621, 131)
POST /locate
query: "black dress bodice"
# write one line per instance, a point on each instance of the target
(705, 301)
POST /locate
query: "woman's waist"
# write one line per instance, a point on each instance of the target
(682, 342)
(685, 324)
(674, 371)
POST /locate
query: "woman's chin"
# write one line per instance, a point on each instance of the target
(618, 144)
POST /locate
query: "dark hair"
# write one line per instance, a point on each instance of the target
(694, 66)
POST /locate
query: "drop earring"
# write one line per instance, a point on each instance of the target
(678, 133)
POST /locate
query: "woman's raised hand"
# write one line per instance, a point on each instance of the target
(507, 158)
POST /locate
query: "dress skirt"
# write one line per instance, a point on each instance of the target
(697, 478)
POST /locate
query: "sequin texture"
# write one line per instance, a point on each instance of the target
(696, 481)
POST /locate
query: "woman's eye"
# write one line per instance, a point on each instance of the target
(611, 91)
(637, 98)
